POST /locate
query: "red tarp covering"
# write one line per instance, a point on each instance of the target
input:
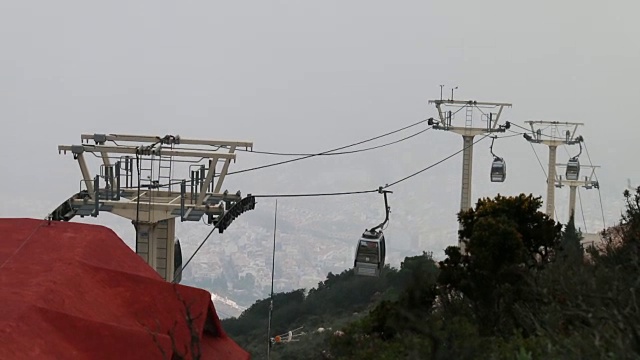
(76, 291)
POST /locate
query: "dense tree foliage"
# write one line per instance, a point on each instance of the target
(508, 241)
(334, 302)
(524, 289)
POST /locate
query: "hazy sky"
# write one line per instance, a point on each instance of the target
(309, 76)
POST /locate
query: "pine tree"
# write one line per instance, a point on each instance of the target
(570, 244)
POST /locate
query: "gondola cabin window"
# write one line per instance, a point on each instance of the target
(368, 251)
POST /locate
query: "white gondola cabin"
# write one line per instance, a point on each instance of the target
(573, 169)
(370, 254)
(498, 170)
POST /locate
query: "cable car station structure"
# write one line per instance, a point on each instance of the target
(468, 132)
(141, 185)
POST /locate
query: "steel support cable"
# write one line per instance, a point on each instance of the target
(193, 161)
(453, 113)
(360, 192)
(331, 194)
(328, 151)
(604, 224)
(529, 130)
(584, 220)
(543, 171)
(24, 242)
(373, 190)
(194, 253)
(335, 153)
(137, 225)
(539, 162)
(273, 270)
(515, 133)
(316, 194)
(436, 163)
(305, 155)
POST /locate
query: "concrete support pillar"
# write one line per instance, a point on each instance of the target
(572, 200)
(155, 244)
(467, 172)
(551, 181)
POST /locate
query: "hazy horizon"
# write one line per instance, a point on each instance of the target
(311, 76)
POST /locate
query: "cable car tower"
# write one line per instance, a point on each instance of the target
(587, 182)
(447, 109)
(142, 185)
(558, 133)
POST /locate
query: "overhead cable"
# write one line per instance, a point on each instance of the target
(543, 171)
(604, 224)
(584, 220)
(335, 153)
(436, 163)
(373, 190)
(179, 273)
(273, 270)
(333, 194)
(328, 151)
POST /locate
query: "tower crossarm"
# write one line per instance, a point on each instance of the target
(445, 117)
(133, 150)
(139, 178)
(469, 102)
(167, 139)
(588, 181)
(552, 142)
(464, 131)
(570, 137)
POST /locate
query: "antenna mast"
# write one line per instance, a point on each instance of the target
(273, 270)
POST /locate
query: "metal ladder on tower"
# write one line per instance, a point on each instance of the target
(143, 200)
(165, 168)
(469, 116)
(147, 184)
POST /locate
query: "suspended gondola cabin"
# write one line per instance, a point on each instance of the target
(573, 169)
(498, 170)
(370, 254)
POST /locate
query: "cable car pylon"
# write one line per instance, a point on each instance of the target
(490, 116)
(552, 141)
(587, 182)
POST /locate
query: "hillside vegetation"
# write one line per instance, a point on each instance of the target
(525, 289)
